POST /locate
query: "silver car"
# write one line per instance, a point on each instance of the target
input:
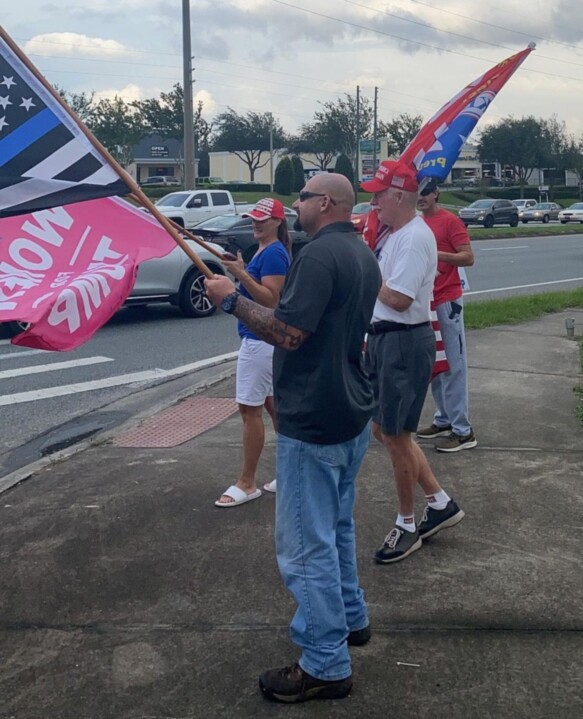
(541, 212)
(572, 214)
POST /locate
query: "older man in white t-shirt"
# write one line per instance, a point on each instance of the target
(401, 354)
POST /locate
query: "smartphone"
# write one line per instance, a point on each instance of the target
(229, 256)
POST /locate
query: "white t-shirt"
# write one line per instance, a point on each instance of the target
(408, 263)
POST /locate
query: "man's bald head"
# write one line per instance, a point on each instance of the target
(337, 186)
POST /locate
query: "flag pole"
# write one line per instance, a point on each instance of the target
(192, 236)
(132, 184)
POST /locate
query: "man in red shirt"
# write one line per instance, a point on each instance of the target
(451, 421)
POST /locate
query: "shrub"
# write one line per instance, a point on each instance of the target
(284, 177)
(343, 166)
(299, 177)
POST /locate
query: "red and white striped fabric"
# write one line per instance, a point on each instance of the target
(441, 363)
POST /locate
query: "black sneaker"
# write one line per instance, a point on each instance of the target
(454, 442)
(435, 519)
(359, 637)
(433, 431)
(398, 544)
(292, 684)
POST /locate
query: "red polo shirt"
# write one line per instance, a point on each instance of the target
(450, 233)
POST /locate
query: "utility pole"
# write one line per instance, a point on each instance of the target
(357, 154)
(374, 133)
(270, 152)
(188, 140)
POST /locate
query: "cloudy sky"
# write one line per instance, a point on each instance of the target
(287, 56)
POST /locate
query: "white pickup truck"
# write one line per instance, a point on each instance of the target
(188, 208)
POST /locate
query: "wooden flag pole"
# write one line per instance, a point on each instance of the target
(143, 199)
(195, 238)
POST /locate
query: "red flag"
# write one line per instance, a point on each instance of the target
(67, 270)
(437, 145)
(441, 363)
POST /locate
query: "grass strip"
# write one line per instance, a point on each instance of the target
(512, 310)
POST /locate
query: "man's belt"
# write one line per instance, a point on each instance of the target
(379, 328)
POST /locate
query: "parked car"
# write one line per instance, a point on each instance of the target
(524, 205)
(235, 233)
(191, 207)
(209, 181)
(572, 214)
(159, 180)
(490, 212)
(541, 212)
(173, 278)
(360, 213)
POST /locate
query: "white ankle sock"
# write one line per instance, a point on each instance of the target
(406, 522)
(438, 500)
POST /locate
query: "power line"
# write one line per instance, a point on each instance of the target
(455, 34)
(415, 42)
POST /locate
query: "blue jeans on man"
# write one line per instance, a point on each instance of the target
(316, 552)
(450, 389)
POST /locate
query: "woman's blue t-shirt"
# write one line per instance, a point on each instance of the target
(273, 260)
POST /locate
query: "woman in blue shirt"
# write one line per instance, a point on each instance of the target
(261, 281)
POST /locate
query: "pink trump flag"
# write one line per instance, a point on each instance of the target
(67, 270)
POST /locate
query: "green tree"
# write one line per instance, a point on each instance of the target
(165, 116)
(283, 181)
(248, 137)
(81, 103)
(344, 167)
(400, 131)
(299, 177)
(342, 124)
(117, 126)
(315, 140)
(517, 143)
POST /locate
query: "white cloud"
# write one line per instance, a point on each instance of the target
(75, 45)
(128, 93)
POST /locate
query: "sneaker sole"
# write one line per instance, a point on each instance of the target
(412, 548)
(315, 693)
(451, 522)
(465, 445)
(443, 433)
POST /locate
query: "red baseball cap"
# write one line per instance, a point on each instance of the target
(392, 173)
(266, 208)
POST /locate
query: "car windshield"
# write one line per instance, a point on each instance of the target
(577, 206)
(175, 199)
(478, 204)
(520, 203)
(222, 222)
(543, 206)
(361, 209)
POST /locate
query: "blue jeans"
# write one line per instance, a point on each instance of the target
(316, 553)
(450, 389)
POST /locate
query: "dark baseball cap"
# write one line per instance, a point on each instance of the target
(430, 187)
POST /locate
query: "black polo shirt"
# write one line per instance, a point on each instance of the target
(321, 393)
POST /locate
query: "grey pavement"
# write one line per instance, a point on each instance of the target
(126, 594)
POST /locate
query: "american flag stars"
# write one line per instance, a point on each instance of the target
(8, 81)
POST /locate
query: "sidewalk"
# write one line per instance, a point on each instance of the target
(125, 594)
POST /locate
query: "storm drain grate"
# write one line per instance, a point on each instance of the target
(179, 423)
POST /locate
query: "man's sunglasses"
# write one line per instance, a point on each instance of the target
(306, 194)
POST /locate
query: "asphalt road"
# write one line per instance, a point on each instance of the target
(158, 338)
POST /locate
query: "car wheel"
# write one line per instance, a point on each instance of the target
(514, 221)
(177, 221)
(525, 222)
(563, 222)
(193, 301)
(15, 327)
(546, 218)
(488, 222)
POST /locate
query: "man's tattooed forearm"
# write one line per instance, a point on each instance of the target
(262, 322)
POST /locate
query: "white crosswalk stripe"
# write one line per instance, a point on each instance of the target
(53, 366)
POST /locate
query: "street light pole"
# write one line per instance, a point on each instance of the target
(188, 140)
(270, 152)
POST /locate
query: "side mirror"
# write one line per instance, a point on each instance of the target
(197, 202)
